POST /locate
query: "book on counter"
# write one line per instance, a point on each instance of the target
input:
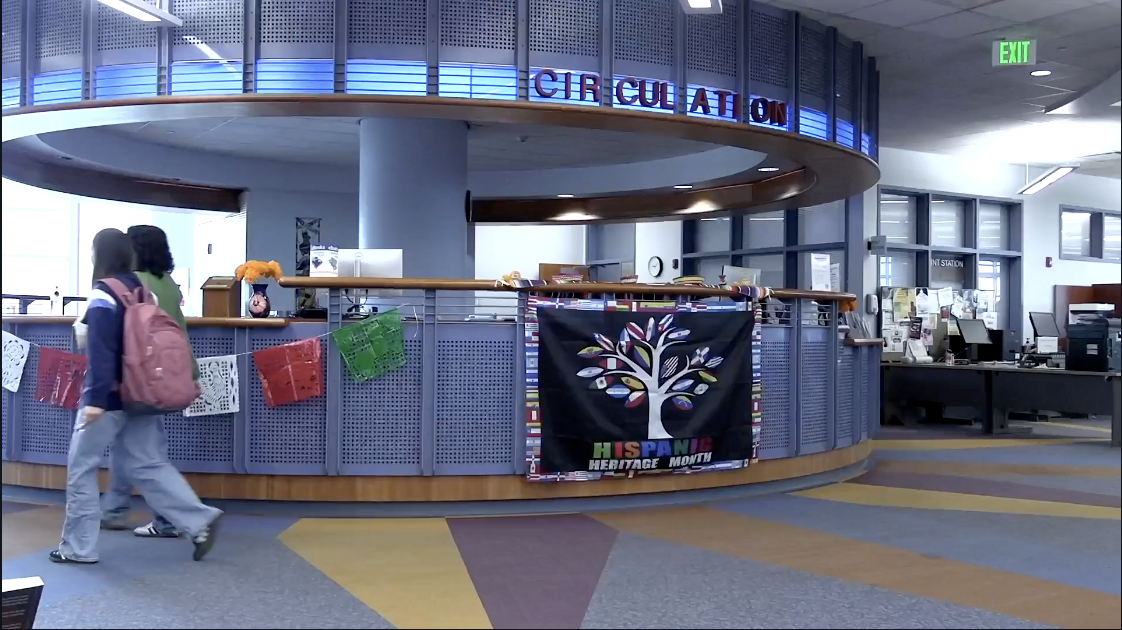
(21, 602)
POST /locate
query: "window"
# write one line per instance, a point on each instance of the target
(711, 269)
(713, 234)
(993, 226)
(1088, 234)
(898, 218)
(948, 222)
(822, 224)
(771, 268)
(898, 270)
(947, 270)
(611, 251)
(990, 278)
(763, 229)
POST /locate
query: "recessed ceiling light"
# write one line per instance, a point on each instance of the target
(683, 187)
(1040, 73)
(574, 216)
(768, 169)
(564, 196)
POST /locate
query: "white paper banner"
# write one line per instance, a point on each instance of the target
(218, 382)
(15, 356)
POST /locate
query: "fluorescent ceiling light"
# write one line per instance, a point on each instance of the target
(683, 187)
(1046, 180)
(574, 216)
(1040, 73)
(565, 196)
(701, 6)
(768, 169)
(144, 12)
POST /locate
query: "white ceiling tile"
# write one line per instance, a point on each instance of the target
(964, 4)
(902, 12)
(1029, 10)
(832, 6)
(853, 28)
(959, 24)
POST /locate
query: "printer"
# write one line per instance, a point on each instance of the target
(1094, 344)
(1090, 312)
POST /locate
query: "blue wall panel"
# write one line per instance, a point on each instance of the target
(295, 76)
(476, 81)
(369, 76)
(63, 86)
(11, 92)
(206, 77)
(130, 81)
(845, 133)
(813, 123)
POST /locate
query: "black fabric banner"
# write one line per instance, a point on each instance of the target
(623, 391)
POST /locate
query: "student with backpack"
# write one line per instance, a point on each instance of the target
(137, 368)
(154, 264)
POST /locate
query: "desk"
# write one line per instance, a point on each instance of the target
(998, 389)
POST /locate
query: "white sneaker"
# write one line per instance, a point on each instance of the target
(152, 530)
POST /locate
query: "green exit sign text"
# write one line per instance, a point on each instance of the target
(1014, 53)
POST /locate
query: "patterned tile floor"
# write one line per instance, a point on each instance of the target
(948, 530)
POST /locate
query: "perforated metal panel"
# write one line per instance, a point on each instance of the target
(289, 439)
(204, 443)
(711, 41)
(847, 363)
(775, 364)
(565, 27)
(4, 448)
(870, 390)
(769, 48)
(474, 390)
(211, 22)
(298, 21)
(477, 24)
(843, 75)
(812, 61)
(117, 30)
(45, 434)
(644, 31)
(813, 402)
(13, 35)
(381, 420)
(397, 22)
(58, 28)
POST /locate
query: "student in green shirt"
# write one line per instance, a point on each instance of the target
(154, 265)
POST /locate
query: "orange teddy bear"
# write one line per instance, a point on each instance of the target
(254, 270)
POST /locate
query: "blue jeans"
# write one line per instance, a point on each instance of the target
(116, 504)
(142, 455)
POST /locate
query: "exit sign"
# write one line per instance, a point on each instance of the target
(1014, 53)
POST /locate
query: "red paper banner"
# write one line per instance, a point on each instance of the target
(60, 378)
(291, 372)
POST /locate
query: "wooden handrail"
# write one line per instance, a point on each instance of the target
(441, 284)
(192, 322)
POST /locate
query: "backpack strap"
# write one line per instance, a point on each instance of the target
(127, 296)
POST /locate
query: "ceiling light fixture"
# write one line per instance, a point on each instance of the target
(574, 216)
(701, 6)
(144, 12)
(1040, 73)
(1047, 179)
(768, 169)
(683, 187)
(703, 205)
(565, 196)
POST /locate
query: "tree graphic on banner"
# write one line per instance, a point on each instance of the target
(647, 372)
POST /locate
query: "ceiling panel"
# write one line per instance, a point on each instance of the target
(1028, 10)
(959, 24)
(902, 12)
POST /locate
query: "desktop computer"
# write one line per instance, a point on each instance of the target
(974, 341)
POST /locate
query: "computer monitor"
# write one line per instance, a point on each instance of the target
(973, 331)
(1044, 325)
(370, 263)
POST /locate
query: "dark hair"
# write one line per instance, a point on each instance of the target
(112, 254)
(152, 252)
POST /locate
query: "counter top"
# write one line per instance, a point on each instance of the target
(218, 322)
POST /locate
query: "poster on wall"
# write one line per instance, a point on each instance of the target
(307, 234)
(625, 392)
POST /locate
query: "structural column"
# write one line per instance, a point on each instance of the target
(412, 193)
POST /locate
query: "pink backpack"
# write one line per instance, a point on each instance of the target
(156, 359)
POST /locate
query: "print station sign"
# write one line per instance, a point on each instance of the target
(657, 95)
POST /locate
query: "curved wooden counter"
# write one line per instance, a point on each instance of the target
(460, 488)
(215, 322)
